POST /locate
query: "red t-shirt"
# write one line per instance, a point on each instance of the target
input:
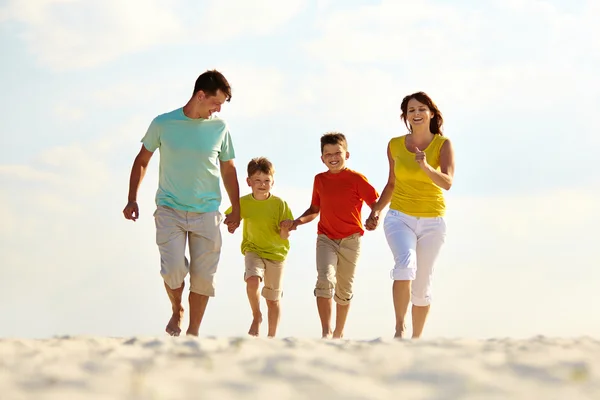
(340, 197)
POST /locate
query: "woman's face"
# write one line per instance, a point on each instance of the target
(418, 113)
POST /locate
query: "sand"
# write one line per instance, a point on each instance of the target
(289, 368)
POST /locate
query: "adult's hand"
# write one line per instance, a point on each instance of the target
(131, 211)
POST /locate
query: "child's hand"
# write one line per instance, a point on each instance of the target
(373, 220)
(288, 224)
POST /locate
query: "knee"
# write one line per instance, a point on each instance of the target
(271, 295)
(405, 266)
(343, 299)
(324, 288)
(202, 284)
(421, 301)
(173, 275)
(420, 296)
(253, 282)
(272, 303)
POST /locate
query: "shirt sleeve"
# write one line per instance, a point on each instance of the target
(151, 140)
(286, 213)
(365, 190)
(227, 152)
(316, 199)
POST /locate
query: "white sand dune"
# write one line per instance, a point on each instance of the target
(248, 368)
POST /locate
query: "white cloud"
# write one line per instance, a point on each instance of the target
(68, 113)
(484, 58)
(226, 19)
(71, 34)
(256, 91)
(55, 33)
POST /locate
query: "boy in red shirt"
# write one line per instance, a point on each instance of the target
(338, 195)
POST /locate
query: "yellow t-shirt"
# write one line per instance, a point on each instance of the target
(414, 192)
(261, 220)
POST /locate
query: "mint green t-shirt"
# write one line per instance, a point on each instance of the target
(261, 220)
(190, 151)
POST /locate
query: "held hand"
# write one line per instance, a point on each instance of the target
(373, 220)
(421, 158)
(288, 224)
(131, 211)
(232, 221)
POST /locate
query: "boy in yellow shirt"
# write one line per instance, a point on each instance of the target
(264, 244)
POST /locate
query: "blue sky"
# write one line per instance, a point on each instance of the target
(516, 82)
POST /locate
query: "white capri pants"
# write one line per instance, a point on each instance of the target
(415, 243)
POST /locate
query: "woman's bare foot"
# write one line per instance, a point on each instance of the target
(255, 326)
(326, 335)
(400, 332)
(174, 325)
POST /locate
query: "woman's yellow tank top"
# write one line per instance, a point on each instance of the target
(414, 192)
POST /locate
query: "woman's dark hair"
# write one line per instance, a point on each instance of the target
(435, 125)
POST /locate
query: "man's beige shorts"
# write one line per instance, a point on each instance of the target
(269, 271)
(336, 263)
(203, 234)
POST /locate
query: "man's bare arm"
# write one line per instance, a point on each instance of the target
(138, 171)
(232, 186)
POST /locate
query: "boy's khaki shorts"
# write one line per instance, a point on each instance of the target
(269, 271)
(203, 234)
(336, 263)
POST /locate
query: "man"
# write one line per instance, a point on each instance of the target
(191, 145)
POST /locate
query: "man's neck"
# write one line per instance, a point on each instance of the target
(190, 111)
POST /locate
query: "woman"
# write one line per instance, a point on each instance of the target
(421, 165)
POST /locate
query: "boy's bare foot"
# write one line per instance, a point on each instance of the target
(338, 335)
(255, 326)
(174, 326)
(326, 335)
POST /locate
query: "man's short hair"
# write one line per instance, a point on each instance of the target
(334, 138)
(212, 81)
(260, 164)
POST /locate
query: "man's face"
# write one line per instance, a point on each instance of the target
(210, 104)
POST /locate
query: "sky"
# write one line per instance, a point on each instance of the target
(516, 82)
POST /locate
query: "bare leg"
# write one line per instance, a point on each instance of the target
(274, 311)
(198, 304)
(419, 316)
(174, 326)
(325, 307)
(252, 290)
(401, 295)
(341, 313)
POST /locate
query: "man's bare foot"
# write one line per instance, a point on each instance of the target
(174, 325)
(326, 335)
(255, 326)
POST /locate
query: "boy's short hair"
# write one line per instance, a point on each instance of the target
(334, 138)
(260, 164)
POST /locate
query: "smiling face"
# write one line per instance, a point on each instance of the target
(418, 114)
(207, 105)
(334, 157)
(261, 185)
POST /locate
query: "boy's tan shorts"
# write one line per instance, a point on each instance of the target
(336, 263)
(269, 271)
(203, 234)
